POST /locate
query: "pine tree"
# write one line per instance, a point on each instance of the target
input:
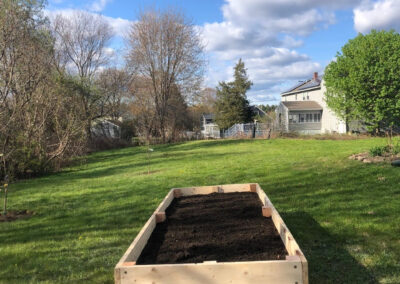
(232, 104)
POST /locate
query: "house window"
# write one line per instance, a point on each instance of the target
(317, 117)
(293, 118)
(305, 118)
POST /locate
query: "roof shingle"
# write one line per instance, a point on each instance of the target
(302, 105)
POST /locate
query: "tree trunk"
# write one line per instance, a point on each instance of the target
(5, 200)
(89, 130)
(162, 130)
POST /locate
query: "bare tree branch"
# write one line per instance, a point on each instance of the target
(165, 48)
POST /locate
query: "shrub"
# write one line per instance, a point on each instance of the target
(396, 149)
(379, 150)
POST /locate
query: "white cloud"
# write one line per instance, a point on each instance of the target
(109, 51)
(264, 34)
(261, 97)
(120, 26)
(98, 5)
(384, 14)
(293, 17)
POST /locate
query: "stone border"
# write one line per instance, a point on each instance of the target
(366, 158)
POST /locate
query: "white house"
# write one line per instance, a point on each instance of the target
(303, 109)
(106, 128)
(209, 129)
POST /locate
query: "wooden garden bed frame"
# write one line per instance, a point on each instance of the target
(293, 270)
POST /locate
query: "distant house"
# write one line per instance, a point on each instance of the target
(209, 129)
(303, 109)
(106, 128)
(258, 112)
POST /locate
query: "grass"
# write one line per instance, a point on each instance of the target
(343, 213)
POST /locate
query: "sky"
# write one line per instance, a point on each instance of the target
(280, 41)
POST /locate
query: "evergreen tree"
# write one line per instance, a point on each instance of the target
(232, 104)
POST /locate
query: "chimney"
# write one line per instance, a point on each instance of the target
(315, 78)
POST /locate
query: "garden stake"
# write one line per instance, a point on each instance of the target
(5, 199)
(5, 194)
(149, 150)
(148, 159)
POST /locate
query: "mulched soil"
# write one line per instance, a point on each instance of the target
(14, 215)
(220, 226)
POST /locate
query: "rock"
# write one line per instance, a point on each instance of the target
(378, 159)
(367, 161)
(396, 163)
(360, 158)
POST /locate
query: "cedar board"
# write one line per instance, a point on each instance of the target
(293, 270)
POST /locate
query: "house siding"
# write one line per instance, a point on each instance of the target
(299, 127)
(282, 118)
(209, 129)
(329, 121)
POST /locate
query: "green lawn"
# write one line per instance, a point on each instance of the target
(344, 214)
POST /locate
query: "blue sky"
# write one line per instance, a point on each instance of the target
(280, 41)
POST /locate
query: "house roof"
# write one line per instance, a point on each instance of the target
(256, 108)
(305, 85)
(209, 115)
(302, 105)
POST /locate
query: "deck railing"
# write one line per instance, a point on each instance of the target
(248, 130)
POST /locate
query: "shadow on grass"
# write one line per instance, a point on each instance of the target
(203, 144)
(328, 261)
(135, 167)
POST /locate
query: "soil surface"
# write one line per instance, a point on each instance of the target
(13, 215)
(220, 226)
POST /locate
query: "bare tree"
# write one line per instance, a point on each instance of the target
(142, 107)
(81, 41)
(38, 124)
(114, 87)
(22, 59)
(178, 118)
(166, 48)
(203, 102)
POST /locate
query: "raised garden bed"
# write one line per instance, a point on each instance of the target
(214, 234)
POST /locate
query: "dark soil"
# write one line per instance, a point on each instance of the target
(15, 215)
(223, 227)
